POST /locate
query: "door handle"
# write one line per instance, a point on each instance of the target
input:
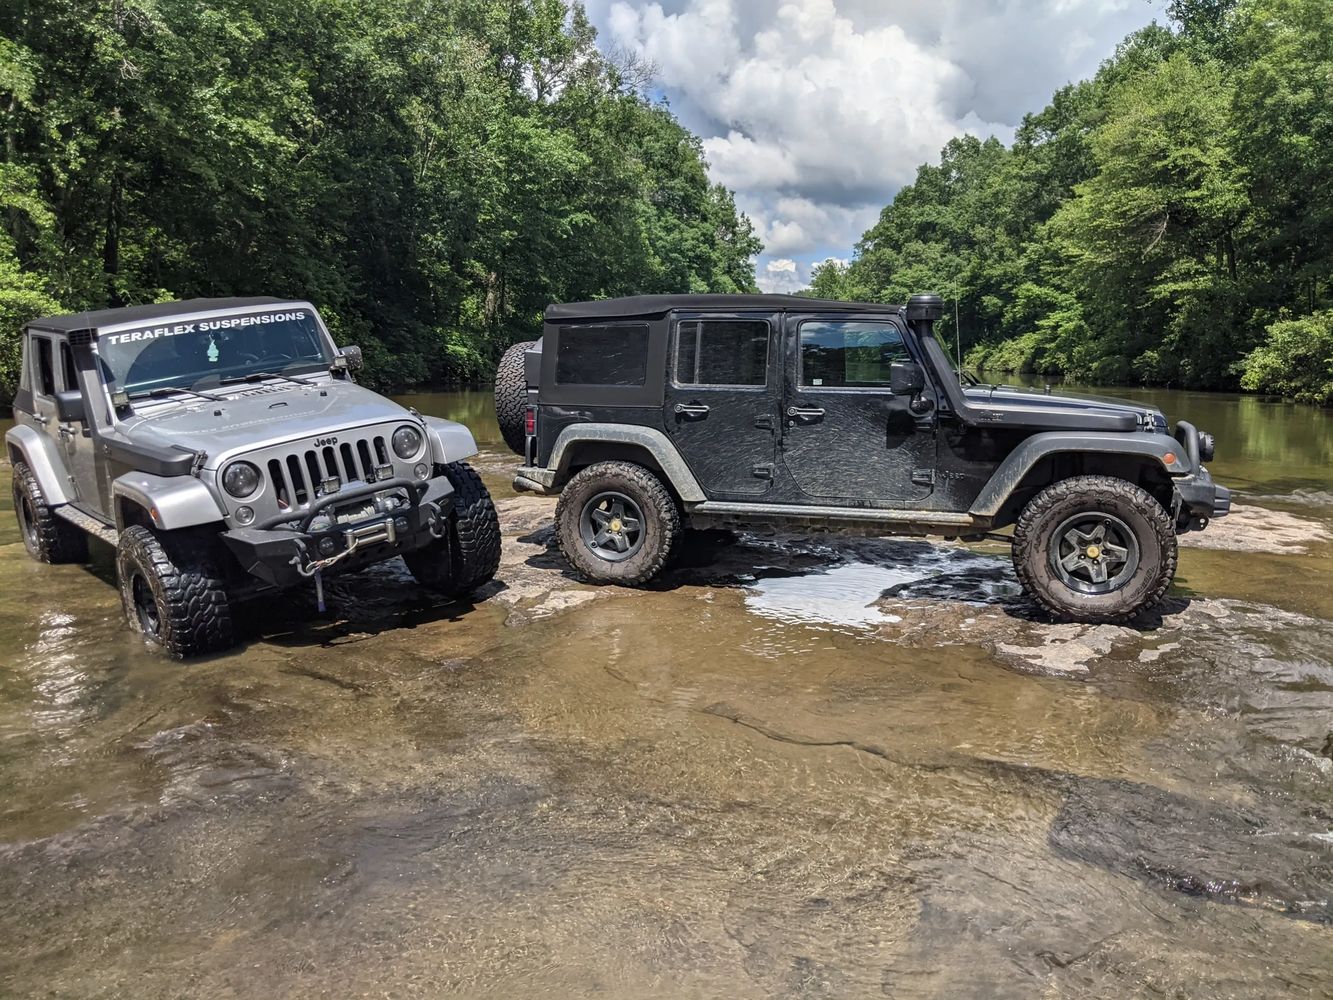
(805, 413)
(691, 410)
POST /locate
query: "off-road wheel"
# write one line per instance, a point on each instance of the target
(469, 553)
(1094, 549)
(47, 538)
(511, 396)
(617, 523)
(173, 592)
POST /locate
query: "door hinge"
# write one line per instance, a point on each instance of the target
(762, 472)
(923, 477)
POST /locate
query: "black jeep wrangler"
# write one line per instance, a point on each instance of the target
(654, 414)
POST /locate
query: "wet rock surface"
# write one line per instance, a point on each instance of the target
(795, 767)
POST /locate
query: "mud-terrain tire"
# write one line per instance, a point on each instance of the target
(597, 493)
(1070, 528)
(511, 396)
(173, 592)
(469, 553)
(48, 538)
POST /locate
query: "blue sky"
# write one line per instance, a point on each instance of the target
(815, 112)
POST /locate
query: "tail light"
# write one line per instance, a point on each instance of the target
(530, 421)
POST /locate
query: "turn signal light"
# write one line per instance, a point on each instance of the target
(530, 421)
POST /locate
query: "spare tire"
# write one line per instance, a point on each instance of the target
(511, 396)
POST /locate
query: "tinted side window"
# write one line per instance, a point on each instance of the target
(722, 352)
(602, 355)
(45, 374)
(67, 369)
(849, 355)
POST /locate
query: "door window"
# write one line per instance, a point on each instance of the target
(722, 353)
(849, 355)
(45, 375)
(67, 368)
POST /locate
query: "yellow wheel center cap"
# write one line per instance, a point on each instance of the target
(615, 524)
(1094, 552)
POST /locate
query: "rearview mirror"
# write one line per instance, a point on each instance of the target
(906, 378)
(70, 408)
(351, 355)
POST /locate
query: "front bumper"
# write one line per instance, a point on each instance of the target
(277, 555)
(1200, 500)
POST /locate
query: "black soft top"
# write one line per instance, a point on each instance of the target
(656, 305)
(99, 318)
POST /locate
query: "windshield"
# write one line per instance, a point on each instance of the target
(213, 350)
(965, 377)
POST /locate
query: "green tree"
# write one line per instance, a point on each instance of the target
(430, 175)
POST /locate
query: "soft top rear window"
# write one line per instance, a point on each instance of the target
(606, 354)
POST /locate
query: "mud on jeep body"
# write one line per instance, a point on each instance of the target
(224, 448)
(653, 414)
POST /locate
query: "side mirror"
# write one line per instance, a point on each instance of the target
(906, 378)
(70, 408)
(351, 356)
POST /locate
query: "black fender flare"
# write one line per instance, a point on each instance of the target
(1002, 483)
(649, 439)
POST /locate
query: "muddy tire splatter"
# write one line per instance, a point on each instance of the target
(173, 593)
(47, 538)
(617, 523)
(468, 555)
(1094, 549)
(511, 396)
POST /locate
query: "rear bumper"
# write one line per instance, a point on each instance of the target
(534, 479)
(1201, 499)
(276, 556)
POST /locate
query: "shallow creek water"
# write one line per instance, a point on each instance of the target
(797, 767)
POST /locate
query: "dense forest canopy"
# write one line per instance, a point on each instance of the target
(1169, 221)
(430, 174)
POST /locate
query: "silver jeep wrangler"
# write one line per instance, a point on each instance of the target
(225, 450)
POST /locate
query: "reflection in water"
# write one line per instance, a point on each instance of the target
(849, 595)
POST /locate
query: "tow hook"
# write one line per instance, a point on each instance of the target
(437, 524)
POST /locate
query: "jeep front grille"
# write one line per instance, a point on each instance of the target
(296, 477)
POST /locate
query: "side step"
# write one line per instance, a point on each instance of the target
(925, 520)
(87, 522)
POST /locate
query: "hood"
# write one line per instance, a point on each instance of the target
(258, 415)
(1000, 396)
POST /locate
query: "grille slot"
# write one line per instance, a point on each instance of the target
(297, 481)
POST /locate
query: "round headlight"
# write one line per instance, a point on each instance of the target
(240, 479)
(406, 442)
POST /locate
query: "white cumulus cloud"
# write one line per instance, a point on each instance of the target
(815, 112)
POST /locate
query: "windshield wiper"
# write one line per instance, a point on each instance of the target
(260, 376)
(164, 391)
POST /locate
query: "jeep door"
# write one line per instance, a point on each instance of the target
(846, 437)
(76, 438)
(723, 390)
(44, 378)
